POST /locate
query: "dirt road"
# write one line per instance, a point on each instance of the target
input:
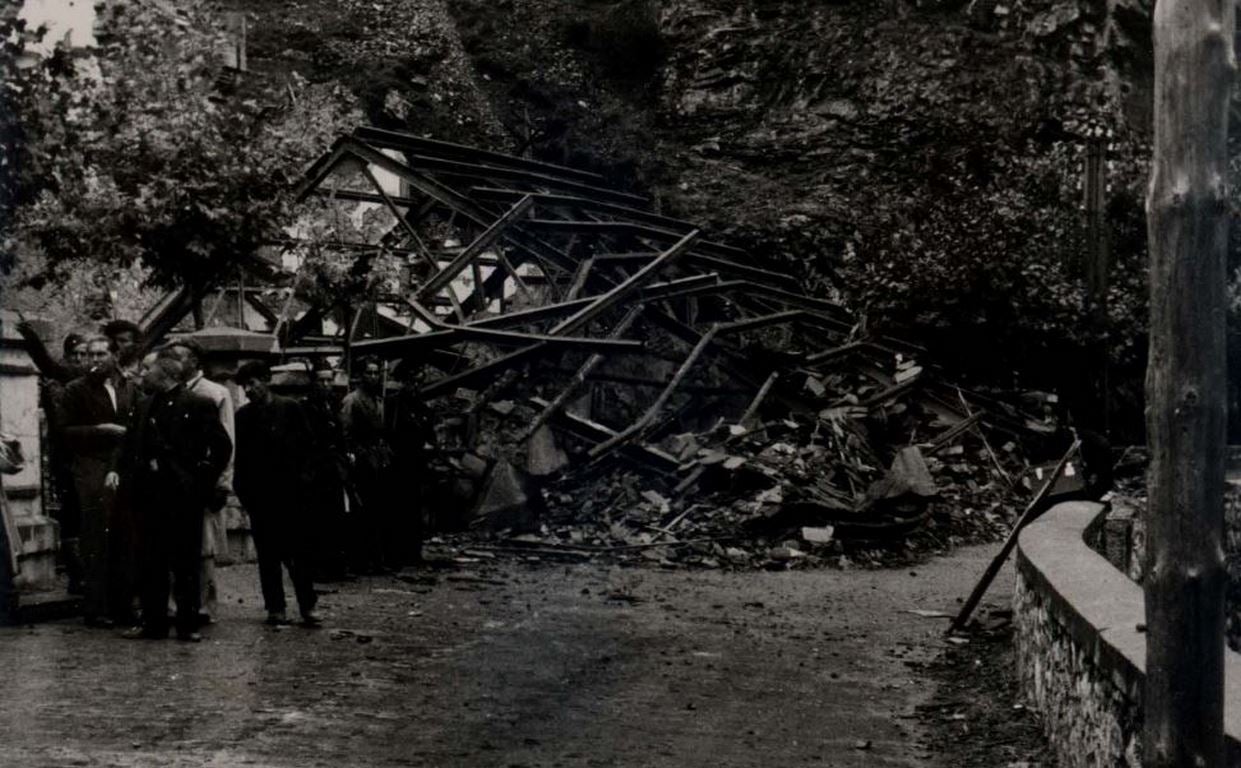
(507, 664)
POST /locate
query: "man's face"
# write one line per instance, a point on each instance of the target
(370, 377)
(125, 342)
(258, 390)
(151, 376)
(99, 358)
(76, 356)
(323, 381)
(189, 362)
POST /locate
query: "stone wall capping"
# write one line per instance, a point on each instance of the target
(1095, 611)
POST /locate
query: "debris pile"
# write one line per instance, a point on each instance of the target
(612, 381)
(799, 488)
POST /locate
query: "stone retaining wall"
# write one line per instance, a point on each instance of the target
(1080, 655)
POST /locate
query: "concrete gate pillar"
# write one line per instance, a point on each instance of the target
(32, 536)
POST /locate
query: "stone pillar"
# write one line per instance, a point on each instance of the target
(33, 536)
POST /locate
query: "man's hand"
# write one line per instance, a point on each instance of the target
(112, 481)
(24, 327)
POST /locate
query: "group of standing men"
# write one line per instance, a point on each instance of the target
(143, 446)
(143, 454)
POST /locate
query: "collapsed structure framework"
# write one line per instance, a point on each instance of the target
(532, 259)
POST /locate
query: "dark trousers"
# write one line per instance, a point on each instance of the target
(325, 509)
(171, 540)
(278, 542)
(97, 509)
(370, 517)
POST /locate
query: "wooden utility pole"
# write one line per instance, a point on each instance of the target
(1096, 261)
(1186, 208)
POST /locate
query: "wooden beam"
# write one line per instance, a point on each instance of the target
(626, 288)
(579, 378)
(458, 202)
(396, 346)
(419, 247)
(707, 339)
(447, 274)
(380, 137)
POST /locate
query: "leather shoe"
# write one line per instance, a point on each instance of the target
(311, 619)
(144, 633)
(277, 619)
(189, 637)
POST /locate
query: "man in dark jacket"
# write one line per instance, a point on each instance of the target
(94, 411)
(269, 475)
(413, 442)
(329, 475)
(54, 376)
(173, 458)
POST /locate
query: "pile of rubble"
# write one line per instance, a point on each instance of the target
(612, 381)
(887, 468)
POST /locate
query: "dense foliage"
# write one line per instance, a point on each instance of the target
(146, 149)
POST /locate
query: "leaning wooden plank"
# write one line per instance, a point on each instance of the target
(580, 377)
(627, 287)
(1035, 508)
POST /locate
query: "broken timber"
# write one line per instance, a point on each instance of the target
(510, 260)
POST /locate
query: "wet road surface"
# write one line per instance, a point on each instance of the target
(505, 664)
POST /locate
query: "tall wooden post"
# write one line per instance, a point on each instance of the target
(1096, 261)
(1185, 385)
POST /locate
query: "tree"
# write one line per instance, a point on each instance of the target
(147, 151)
(1187, 208)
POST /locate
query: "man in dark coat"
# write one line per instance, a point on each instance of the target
(54, 376)
(173, 459)
(94, 411)
(329, 475)
(269, 475)
(413, 442)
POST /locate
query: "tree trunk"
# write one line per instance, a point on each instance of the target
(1185, 385)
